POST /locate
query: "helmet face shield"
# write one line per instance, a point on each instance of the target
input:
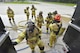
(30, 26)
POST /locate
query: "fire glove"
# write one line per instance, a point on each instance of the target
(14, 43)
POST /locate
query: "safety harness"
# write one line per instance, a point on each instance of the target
(59, 27)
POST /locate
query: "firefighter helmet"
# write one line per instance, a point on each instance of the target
(30, 26)
(40, 13)
(57, 17)
(55, 12)
(49, 13)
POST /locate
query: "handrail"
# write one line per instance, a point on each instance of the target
(74, 26)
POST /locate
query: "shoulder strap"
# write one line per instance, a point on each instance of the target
(58, 28)
(37, 28)
(27, 33)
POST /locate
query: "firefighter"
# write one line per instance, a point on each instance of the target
(31, 34)
(48, 20)
(55, 27)
(10, 14)
(39, 19)
(33, 9)
(26, 11)
(58, 17)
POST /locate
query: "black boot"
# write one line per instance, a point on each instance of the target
(43, 52)
(33, 51)
(42, 49)
(49, 45)
(47, 30)
(11, 23)
(32, 17)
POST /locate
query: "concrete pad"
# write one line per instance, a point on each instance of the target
(20, 16)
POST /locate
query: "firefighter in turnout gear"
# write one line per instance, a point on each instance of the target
(55, 27)
(48, 20)
(10, 14)
(32, 37)
(33, 9)
(39, 19)
(26, 11)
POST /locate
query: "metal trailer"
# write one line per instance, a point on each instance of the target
(72, 35)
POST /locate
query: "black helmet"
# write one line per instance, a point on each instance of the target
(27, 7)
(32, 5)
(40, 13)
(55, 12)
(9, 8)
